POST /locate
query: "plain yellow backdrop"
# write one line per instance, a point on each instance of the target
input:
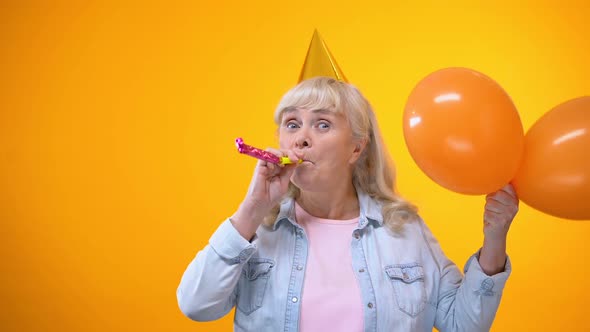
(117, 123)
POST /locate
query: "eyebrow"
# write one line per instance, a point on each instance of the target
(292, 109)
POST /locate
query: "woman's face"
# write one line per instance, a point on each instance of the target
(323, 139)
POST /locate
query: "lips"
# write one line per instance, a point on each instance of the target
(305, 160)
(303, 157)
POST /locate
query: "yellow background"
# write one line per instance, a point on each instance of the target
(117, 124)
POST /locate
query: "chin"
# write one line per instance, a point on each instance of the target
(306, 182)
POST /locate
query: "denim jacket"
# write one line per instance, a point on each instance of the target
(406, 281)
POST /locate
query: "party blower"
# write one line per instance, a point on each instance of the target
(261, 154)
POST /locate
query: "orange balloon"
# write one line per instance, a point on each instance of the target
(555, 173)
(463, 131)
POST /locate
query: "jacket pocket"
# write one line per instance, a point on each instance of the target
(408, 286)
(252, 284)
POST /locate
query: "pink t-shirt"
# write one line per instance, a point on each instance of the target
(331, 299)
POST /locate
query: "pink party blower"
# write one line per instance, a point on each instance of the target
(261, 154)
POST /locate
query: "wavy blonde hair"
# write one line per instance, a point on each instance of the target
(373, 172)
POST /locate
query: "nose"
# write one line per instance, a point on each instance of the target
(302, 142)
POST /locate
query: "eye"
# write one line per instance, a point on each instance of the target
(323, 125)
(292, 125)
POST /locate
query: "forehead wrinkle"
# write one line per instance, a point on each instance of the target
(322, 111)
(292, 109)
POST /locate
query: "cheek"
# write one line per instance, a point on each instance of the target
(284, 142)
(342, 153)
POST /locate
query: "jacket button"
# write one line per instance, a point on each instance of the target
(294, 299)
(487, 284)
(370, 305)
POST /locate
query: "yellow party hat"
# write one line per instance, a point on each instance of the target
(319, 61)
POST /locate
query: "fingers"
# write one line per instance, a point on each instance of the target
(495, 207)
(505, 196)
(289, 168)
(292, 156)
(502, 198)
(501, 206)
(270, 169)
(492, 217)
(510, 190)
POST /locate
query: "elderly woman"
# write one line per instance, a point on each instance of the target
(327, 245)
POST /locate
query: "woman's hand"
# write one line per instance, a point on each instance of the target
(499, 211)
(269, 185)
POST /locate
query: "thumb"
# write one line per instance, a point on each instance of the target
(288, 171)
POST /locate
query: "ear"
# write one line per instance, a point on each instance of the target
(358, 150)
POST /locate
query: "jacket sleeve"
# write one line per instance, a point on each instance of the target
(207, 290)
(466, 302)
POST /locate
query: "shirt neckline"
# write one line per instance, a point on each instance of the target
(300, 211)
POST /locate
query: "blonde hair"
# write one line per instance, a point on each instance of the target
(373, 172)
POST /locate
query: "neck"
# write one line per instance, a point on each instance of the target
(341, 204)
